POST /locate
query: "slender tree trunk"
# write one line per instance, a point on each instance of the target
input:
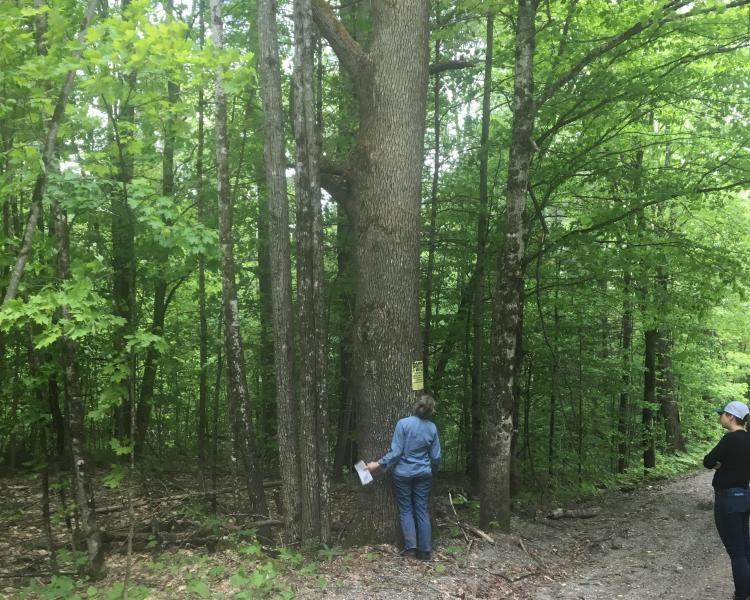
(237, 389)
(649, 398)
(215, 421)
(508, 297)
(48, 156)
(76, 412)
(202, 322)
(666, 395)
(627, 339)
(432, 230)
(479, 286)
(122, 228)
(280, 261)
(666, 389)
(313, 445)
(344, 454)
(554, 392)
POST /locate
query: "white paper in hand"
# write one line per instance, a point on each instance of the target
(364, 473)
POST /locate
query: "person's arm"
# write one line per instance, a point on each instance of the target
(435, 451)
(713, 459)
(397, 449)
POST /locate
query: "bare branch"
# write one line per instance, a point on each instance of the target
(451, 65)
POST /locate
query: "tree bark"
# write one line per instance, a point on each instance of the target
(649, 398)
(627, 340)
(345, 451)
(479, 285)
(432, 229)
(390, 82)
(508, 297)
(280, 261)
(666, 395)
(313, 443)
(48, 156)
(76, 412)
(202, 321)
(237, 389)
(122, 228)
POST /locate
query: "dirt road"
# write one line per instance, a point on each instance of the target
(657, 543)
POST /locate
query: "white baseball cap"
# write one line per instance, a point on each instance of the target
(735, 408)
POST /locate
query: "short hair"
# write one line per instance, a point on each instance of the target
(425, 406)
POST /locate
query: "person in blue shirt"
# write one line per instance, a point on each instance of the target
(415, 452)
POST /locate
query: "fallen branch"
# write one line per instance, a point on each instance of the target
(458, 521)
(479, 533)
(38, 574)
(513, 579)
(578, 513)
(464, 527)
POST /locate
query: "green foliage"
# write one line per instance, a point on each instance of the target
(329, 553)
(114, 478)
(199, 588)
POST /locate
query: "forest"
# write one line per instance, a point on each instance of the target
(236, 236)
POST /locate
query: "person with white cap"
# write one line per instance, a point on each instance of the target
(731, 460)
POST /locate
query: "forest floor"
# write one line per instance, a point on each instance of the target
(654, 542)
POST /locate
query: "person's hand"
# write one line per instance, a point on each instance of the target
(717, 466)
(373, 467)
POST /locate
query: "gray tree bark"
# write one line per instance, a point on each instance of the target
(508, 297)
(237, 389)
(202, 321)
(313, 443)
(649, 398)
(477, 312)
(280, 262)
(624, 404)
(390, 82)
(432, 228)
(76, 412)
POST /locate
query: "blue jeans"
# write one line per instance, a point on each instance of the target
(732, 517)
(412, 497)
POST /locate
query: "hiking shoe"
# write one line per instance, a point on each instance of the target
(408, 552)
(424, 555)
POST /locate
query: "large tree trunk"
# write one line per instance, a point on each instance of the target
(76, 412)
(477, 314)
(280, 260)
(385, 171)
(237, 389)
(508, 298)
(313, 444)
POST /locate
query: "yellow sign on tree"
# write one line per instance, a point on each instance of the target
(417, 375)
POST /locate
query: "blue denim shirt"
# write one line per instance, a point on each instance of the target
(415, 448)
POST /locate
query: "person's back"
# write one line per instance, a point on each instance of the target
(415, 451)
(421, 449)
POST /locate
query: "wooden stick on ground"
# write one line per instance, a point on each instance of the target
(578, 513)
